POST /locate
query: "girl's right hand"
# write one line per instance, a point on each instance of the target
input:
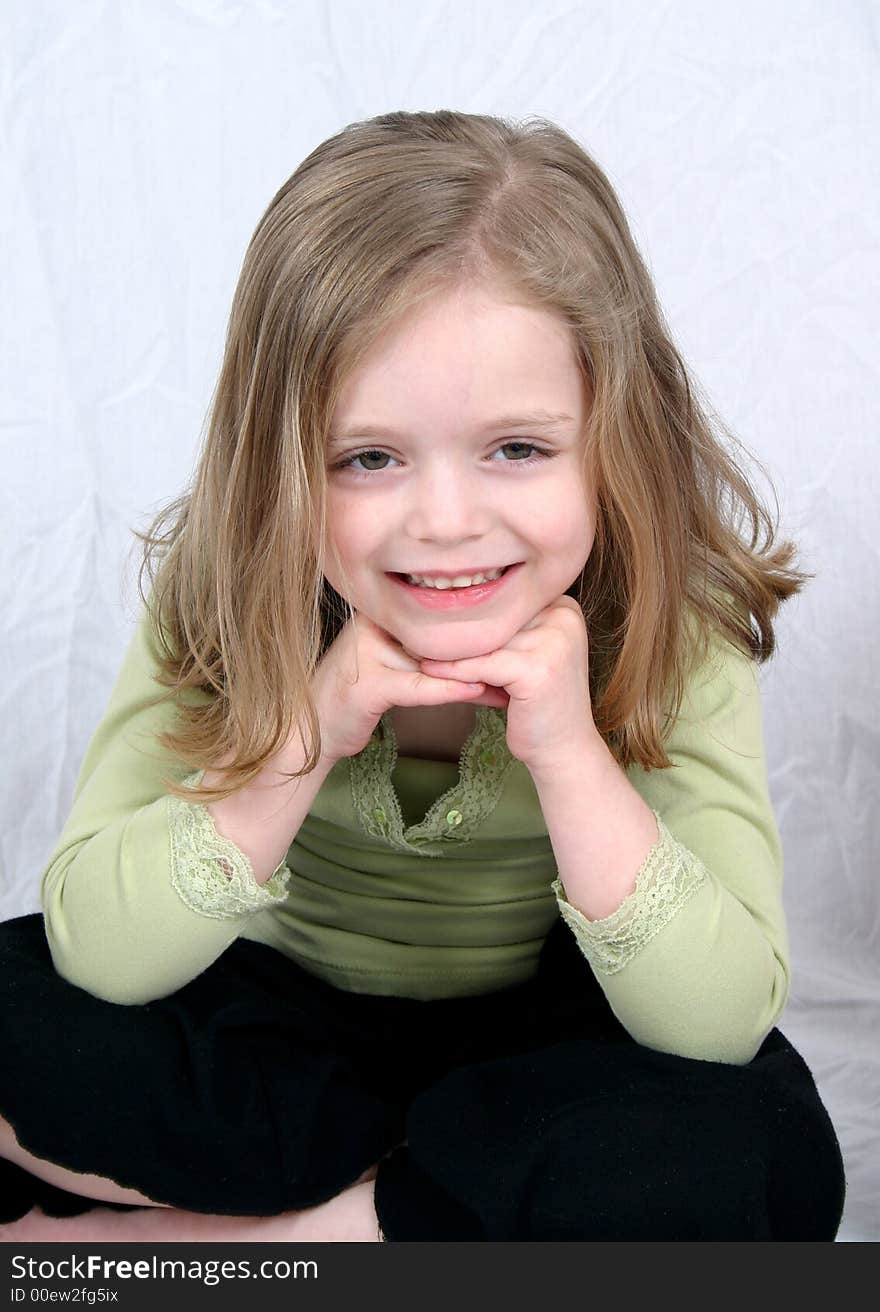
(362, 675)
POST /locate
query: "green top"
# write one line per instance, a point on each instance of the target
(428, 879)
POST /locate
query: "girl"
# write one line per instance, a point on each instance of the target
(438, 897)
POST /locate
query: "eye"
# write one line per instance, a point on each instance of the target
(541, 454)
(348, 462)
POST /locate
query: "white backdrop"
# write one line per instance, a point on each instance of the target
(141, 142)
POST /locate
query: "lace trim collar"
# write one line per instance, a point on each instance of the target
(482, 768)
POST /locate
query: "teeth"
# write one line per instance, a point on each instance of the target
(460, 580)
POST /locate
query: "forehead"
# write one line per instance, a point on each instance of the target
(467, 363)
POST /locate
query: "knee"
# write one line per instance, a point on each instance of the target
(807, 1181)
(598, 1180)
(652, 1198)
(642, 1170)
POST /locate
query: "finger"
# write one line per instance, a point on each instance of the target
(491, 697)
(425, 690)
(498, 669)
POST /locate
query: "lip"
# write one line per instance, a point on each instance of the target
(454, 598)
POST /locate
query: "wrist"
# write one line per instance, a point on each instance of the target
(292, 757)
(588, 751)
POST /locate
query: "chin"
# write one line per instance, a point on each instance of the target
(451, 646)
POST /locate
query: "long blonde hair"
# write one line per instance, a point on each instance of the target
(375, 220)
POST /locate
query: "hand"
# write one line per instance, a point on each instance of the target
(542, 676)
(365, 672)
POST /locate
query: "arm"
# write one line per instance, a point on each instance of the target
(142, 891)
(671, 880)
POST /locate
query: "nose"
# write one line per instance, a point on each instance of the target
(447, 504)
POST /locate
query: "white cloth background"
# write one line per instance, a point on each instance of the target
(141, 142)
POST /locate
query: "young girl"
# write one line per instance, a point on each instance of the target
(438, 897)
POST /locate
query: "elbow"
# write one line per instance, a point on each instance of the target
(760, 1011)
(749, 1014)
(119, 992)
(729, 1028)
(84, 952)
(742, 1008)
(87, 967)
(81, 974)
(732, 1047)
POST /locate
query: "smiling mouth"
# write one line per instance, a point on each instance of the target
(433, 580)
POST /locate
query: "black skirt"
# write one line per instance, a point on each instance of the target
(524, 1113)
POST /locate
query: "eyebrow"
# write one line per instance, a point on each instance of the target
(542, 419)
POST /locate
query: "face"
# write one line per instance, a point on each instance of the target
(438, 485)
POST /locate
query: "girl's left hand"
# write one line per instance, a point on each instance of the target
(542, 677)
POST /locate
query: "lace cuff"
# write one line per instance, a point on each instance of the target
(208, 872)
(669, 875)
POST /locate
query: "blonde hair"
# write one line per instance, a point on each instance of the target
(376, 219)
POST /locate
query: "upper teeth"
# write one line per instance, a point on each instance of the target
(460, 580)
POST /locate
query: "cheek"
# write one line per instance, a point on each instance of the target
(348, 528)
(586, 537)
(562, 526)
(579, 513)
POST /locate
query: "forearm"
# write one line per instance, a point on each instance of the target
(116, 901)
(684, 965)
(600, 829)
(114, 923)
(706, 984)
(263, 819)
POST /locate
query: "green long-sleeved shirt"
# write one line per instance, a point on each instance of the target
(429, 879)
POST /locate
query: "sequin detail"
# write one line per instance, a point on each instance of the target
(208, 872)
(482, 767)
(669, 875)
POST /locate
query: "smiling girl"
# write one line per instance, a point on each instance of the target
(439, 896)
